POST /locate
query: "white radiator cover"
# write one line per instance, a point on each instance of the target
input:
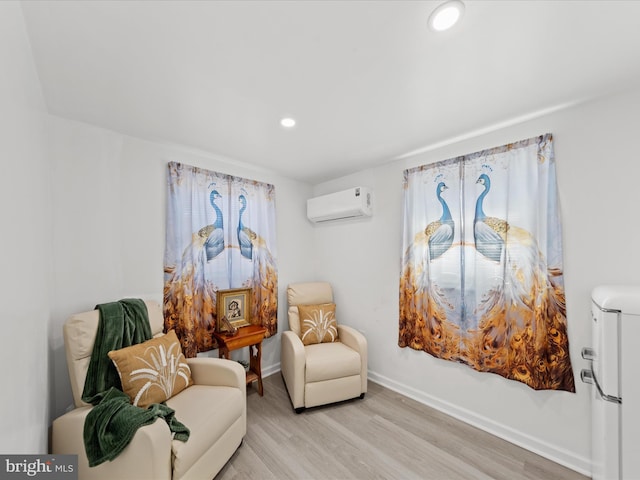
(352, 203)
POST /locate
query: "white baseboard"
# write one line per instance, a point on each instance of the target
(543, 448)
(270, 370)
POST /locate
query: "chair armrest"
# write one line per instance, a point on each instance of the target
(293, 364)
(147, 456)
(352, 338)
(217, 372)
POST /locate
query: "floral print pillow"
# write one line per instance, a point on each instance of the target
(318, 323)
(152, 371)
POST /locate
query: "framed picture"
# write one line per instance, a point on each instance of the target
(235, 305)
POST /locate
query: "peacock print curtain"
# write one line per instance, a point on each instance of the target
(482, 280)
(221, 234)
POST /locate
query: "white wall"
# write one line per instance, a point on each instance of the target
(598, 169)
(109, 202)
(25, 243)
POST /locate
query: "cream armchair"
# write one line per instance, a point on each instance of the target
(325, 372)
(213, 408)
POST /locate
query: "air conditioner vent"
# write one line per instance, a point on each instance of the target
(352, 203)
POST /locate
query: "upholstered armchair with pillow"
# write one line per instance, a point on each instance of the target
(210, 402)
(322, 360)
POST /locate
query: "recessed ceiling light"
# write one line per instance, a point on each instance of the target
(446, 15)
(288, 122)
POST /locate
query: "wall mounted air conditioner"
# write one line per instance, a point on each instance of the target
(352, 203)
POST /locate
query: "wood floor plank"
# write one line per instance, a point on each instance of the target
(384, 436)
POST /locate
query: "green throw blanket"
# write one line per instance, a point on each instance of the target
(112, 423)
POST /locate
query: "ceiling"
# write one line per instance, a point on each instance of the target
(367, 81)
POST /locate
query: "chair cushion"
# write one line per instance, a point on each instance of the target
(318, 323)
(208, 412)
(309, 293)
(152, 371)
(326, 361)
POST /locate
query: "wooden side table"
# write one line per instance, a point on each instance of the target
(250, 336)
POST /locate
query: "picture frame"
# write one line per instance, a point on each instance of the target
(235, 305)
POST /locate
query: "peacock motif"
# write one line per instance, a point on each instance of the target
(423, 305)
(499, 241)
(264, 277)
(440, 233)
(214, 245)
(187, 288)
(245, 235)
(522, 330)
(489, 233)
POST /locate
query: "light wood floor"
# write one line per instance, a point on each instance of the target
(383, 436)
